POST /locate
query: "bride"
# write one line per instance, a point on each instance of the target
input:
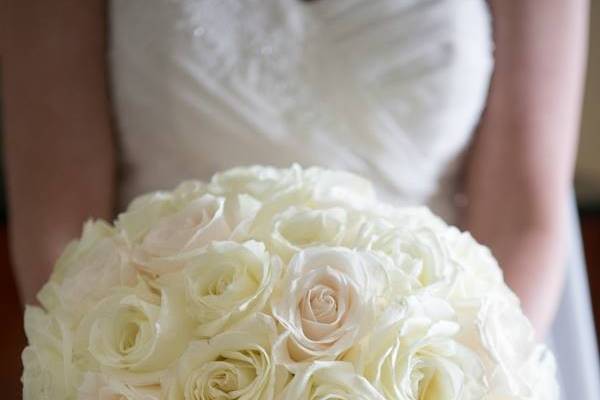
(468, 107)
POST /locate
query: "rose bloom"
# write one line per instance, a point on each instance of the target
(326, 302)
(227, 282)
(101, 387)
(422, 255)
(236, 364)
(48, 371)
(262, 183)
(165, 245)
(339, 188)
(198, 223)
(88, 270)
(519, 365)
(412, 354)
(135, 330)
(313, 185)
(445, 263)
(329, 380)
(297, 228)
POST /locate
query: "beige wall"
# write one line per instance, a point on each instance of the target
(587, 177)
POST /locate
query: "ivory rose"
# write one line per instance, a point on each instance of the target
(195, 225)
(329, 380)
(421, 254)
(48, 369)
(520, 365)
(185, 228)
(88, 269)
(227, 282)
(97, 386)
(297, 228)
(327, 301)
(236, 364)
(262, 183)
(135, 330)
(412, 354)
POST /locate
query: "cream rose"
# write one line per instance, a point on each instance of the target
(236, 364)
(262, 183)
(165, 246)
(136, 330)
(339, 188)
(480, 273)
(321, 186)
(412, 354)
(227, 282)
(101, 387)
(422, 255)
(88, 270)
(324, 380)
(326, 302)
(521, 366)
(48, 369)
(297, 228)
(144, 212)
(197, 224)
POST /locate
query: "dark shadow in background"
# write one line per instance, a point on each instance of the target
(12, 337)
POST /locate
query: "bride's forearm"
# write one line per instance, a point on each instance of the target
(520, 169)
(59, 150)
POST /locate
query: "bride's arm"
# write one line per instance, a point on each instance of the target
(520, 171)
(58, 145)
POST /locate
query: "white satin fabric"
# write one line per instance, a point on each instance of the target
(390, 89)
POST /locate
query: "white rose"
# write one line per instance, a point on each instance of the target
(520, 366)
(317, 185)
(88, 270)
(323, 380)
(236, 364)
(481, 274)
(326, 302)
(262, 183)
(444, 262)
(135, 330)
(332, 188)
(412, 354)
(422, 255)
(164, 246)
(143, 213)
(101, 387)
(48, 370)
(189, 190)
(297, 228)
(227, 282)
(197, 224)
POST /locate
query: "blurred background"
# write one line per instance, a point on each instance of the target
(587, 187)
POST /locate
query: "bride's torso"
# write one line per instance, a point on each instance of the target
(391, 89)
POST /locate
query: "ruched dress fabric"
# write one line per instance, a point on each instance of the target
(389, 89)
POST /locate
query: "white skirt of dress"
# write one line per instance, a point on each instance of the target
(573, 338)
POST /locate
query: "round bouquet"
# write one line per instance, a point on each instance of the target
(279, 284)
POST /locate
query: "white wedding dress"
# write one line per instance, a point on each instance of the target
(390, 89)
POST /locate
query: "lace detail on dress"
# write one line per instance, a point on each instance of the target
(255, 57)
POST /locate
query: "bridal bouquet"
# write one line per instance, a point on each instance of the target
(279, 284)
